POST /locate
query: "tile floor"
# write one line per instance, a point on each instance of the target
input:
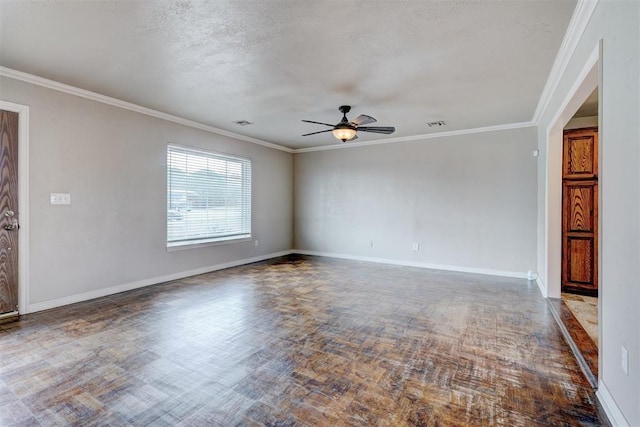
(585, 309)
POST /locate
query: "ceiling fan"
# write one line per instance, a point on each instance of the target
(346, 130)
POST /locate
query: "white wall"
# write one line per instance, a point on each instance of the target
(469, 201)
(617, 24)
(113, 162)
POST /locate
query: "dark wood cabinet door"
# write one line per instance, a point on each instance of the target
(580, 212)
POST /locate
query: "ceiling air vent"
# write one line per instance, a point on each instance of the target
(437, 124)
(243, 123)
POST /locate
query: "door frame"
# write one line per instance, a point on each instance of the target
(23, 201)
(586, 82)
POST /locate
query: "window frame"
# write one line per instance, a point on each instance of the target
(246, 195)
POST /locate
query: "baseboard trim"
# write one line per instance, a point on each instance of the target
(489, 272)
(542, 286)
(610, 407)
(98, 293)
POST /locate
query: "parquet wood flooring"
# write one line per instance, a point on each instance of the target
(299, 341)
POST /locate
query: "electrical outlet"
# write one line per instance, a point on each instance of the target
(624, 360)
(255, 243)
(416, 247)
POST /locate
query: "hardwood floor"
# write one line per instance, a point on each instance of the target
(577, 338)
(299, 341)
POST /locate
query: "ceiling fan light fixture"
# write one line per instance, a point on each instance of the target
(344, 133)
(347, 130)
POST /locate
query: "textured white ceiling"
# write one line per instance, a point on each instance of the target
(274, 62)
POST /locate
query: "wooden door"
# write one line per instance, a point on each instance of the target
(580, 212)
(8, 212)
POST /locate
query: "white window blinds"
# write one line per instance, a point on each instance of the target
(208, 196)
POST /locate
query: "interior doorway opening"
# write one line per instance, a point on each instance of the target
(23, 201)
(573, 113)
(579, 279)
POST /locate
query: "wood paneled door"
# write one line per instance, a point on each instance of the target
(8, 213)
(580, 212)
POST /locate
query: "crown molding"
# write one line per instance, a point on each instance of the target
(579, 20)
(417, 137)
(94, 96)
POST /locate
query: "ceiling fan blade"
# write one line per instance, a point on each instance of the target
(363, 119)
(354, 138)
(318, 123)
(378, 129)
(320, 131)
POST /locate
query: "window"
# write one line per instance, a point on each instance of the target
(208, 197)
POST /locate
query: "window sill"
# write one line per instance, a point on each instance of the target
(179, 246)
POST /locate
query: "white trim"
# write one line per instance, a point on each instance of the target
(23, 200)
(85, 296)
(418, 137)
(579, 20)
(542, 286)
(610, 407)
(87, 94)
(182, 245)
(503, 273)
(94, 96)
(589, 75)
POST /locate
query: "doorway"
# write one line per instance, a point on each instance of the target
(580, 207)
(580, 201)
(9, 214)
(14, 208)
(587, 81)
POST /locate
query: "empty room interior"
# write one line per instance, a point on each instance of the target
(418, 213)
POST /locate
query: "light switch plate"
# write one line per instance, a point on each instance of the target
(60, 198)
